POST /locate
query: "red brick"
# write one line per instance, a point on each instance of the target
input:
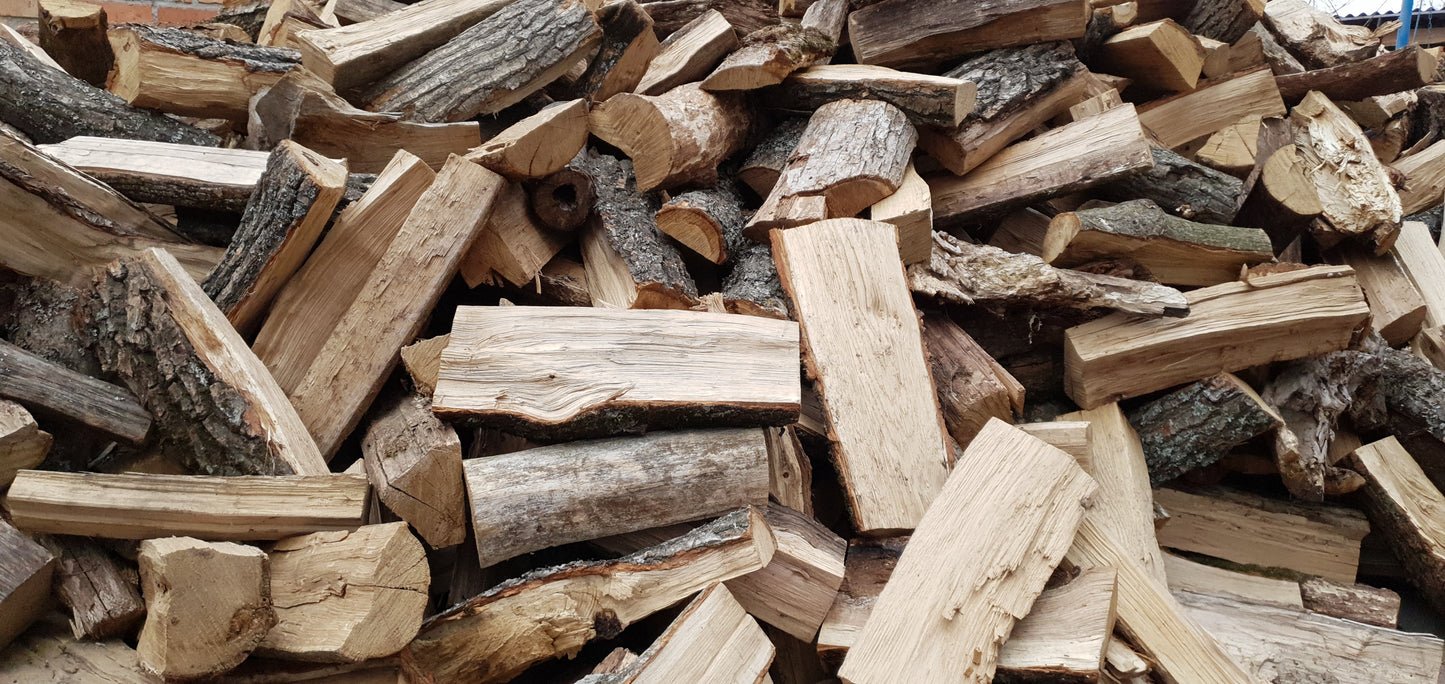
(28, 9)
(181, 16)
(126, 13)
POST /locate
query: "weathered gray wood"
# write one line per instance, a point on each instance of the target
(103, 599)
(24, 581)
(628, 44)
(769, 157)
(37, 383)
(905, 33)
(1223, 20)
(1195, 426)
(752, 287)
(924, 98)
(1311, 394)
(1181, 187)
(1405, 397)
(768, 55)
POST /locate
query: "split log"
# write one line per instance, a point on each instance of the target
(1357, 602)
(554, 611)
(183, 73)
(910, 210)
(286, 18)
(1245, 528)
(790, 472)
(830, 17)
(1401, 397)
(73, 107)
(1397, 70)
(1182, 188)
(23, 445)
(73, 33)
(1424, 263)
(284, 218)
(1317, 37)
(964, 273)
(852, 154)
(923, 98)
(889, 440)
(675, 139)
(534, 397)
(765, 57)
(1397, 311)
(768, 159)
(752, 287)
(208, 604)
(1069, 436)
(708, 221)
(1066, 159)
(1180, 119)
(972, 387)
(1175, 250)
(40, 384)
(1258, 48)
(745, 15)
(216, 408)
(1232, 149)
(1047, 497)
(388, 310)
(1160, 55)
(898, 33)
(525, 46)
(1424, 178)
(1021, 232)
(346, 596)
(538, 145)
(1359, 202)
(1187, 575)
(313, 302)
(414, 462)
(1399, 500)
(628, 46)
(144, 506)
(356, 55)
(1283, 199)
(1216, 57)
(512, 246)
(102, 602)
(796, 589)
(689, 54)
(1105, 22)
(1019, 89)
(422, 360)
(349, 12)
(1196, 426)
(25, 582)
(1311, 394)
(1284, 316)
(166, 173)
(1224, 20)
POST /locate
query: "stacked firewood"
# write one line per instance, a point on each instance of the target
(717, 341)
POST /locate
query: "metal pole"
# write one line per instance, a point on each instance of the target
(1402, 36)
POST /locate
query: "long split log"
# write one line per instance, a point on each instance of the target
(183, 73)
(166, 173)
(38, 383)
(898, 33)
(1392, 72)
(689, 54)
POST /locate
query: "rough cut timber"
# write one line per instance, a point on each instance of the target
(910, 209)
(59, 223)
(1424, 263)
(923, 98)
(513, 245)
(180, 72)
(1397, 311)
(1023, 500)
(1182, 188)
(889, 441)
(23, 444)
(358, 54)
(24, 582)
(677, 138)
(166, 173)
(528, 500)
(1359, 202)
(765, 57)
(899, 33)
(1244, 528)
(1183, 118)
(394, 301)
(102, 602)
(40, 384)
(286, 18)
(1424, 178)
(753, 288)
(1395, 71)
(1401, 503)
(972, 388)
(797, 588)
(1283, 316)
(628, 46)
(524, 46)
(707, 221)
(309, 306)
(216, 408)
(72, 107)
(555, 611)
(963, 273)
(1356, 602)
(1160, 55)
(745, 15)
(1233, 149)
(538, 145)
(1188, 575)
(552, 372)
(1066, 159)
(689, 54)
(1317, 37)
(144, 506)
(208, 604)
(1311, 394)
(790, 471)
(713, 640)
(1283, 199)
(346, 596)
(73, 33)
(852, 154)
(1176, 251)
(1197, 425)
(414, 462)
(283, 220)
(1223, 20)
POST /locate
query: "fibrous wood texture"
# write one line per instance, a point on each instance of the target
(797, 588)
(35, 382)
(898, 33)
(103, 602)
(745, 15)
(183, 73)
(1316, 36)
(1178, 120)
(1355, 602)
(910, 209)
(1188, 575)
(538, 145)
(677, 138)
(972, 387)
(73, 33)
(23, 444)
(1401, 397)
(1311, 394)
(24, 581)
(166, 173)
(1160, 55)
(1424, 179)
(1197, 425)
(891, 468)
(923, 98)
(689, 54)
(1392, 72)
(514, 246)
(1397, 310)
(766, 56)
(1425, 267)
(1359, 202)
(1400, 501)
(414, 462)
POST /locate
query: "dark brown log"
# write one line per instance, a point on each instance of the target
(1223, 20)
(102, 597)
(24, 581)
(767, 56)
(746, 16)
(563, 200)
(628, 46)
(768, 159)
(709, 221)
(972, 387)
(1392, 72)
(899, 33)
(1182, 188)
(35, 382)
(1195, 426)
(1405, 397)
(73, 34)
(752, 286)
(492, 65)
(675, 139)
(183, 73)
(1311, 394)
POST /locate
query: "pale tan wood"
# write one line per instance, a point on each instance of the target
(924, 98)
(1424, 263)
(1402, 504)
(208, 605)
(1095, 105)
(1232, 149)
(1072, 437)
(389, 309)
(676, 138)
(1320, 40)
(161, 172)
(796, 590)
(1376, 111)
(423, 361)
(24, 582)
(1245, 528)
(901, 33)
(1216, 57)
(1188, 575)
(689, 53)
(162, 68)
(1424, 178)
(1025, 514)
(790, 472)
(615, 661)
(1355, 192)
(9, 35)
(285, 18)
(889, 436)
(1121, 661)
(538, 145)
(513, 246)
(414, 463)
(48, 654)
(1181, 119)
(1310, 311)
(1022, 232)
(910, 209)
(312, 303)
(1397, 310)
(23, 445)
(1159, 55)
(346, 596)
(136, 506)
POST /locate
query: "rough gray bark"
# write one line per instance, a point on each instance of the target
(50, 106)
(709, 221)
(765, 163)
(1181, 187)
(1009, 77)
(622, 23)
(629, 226)
(1225, 20)
(923, 102)
(768, 55)
(752, 287)
(249, 17)
(492, 65)
(1391, 72)
(1405, 397)
(254, 58)
(1311, 394)
(1195, 426)
(746, 16)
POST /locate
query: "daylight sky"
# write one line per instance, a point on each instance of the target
(1352, 7)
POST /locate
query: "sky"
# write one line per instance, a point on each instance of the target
(1346, 8)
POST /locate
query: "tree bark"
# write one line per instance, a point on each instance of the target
(770, 156)
(1195, 426)
(709, 221)
(73, 33)
(1223, 20)
(1392, 72)
(1181, 187)
(1405, 397)
(745, 16)
(972, 388)
(767, 56)
(752, 286)
(924, 99)
(900, 33)
(1311, 394)
(184, 73)
(675, 139)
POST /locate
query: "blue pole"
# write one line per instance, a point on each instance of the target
(1402, 36)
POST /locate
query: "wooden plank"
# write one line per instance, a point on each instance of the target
(166, 173)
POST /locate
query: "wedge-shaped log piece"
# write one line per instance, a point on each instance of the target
(972, 387)
(74, 34)
(677, 138)
(23, 445)
(1232, 149)
(796, 590)
(1244, 528)
(538, 145)
(183, 73)
(712, 640)
(1035, 495)
(208, 604)
(790, 472)
(1070, 436)
(505, 58)
(166, 173)
(1161, 55)
(1356, 602)
(35, 382)
(1283, 199)
(1197, 425)
(1318, 38)
(286, 18)
(743, 370)
(513, 246)
(766, 57)
(1180, 119)
(899, 33)
(393, 301)
(964, 273)
(707, 221)
(284, 218)
(1223, 20)
(1417, 253)
(910, 209)
(1397, 310)
(1176, 251)
(415, 463)
(1424, 178)
(628, 47)
(24, 582)
(746, 15)
(102, 601)
(1182, 188)
(923, 98)
(1360, 203)
(1395, 71)
(689, 54)
(890, 444)
(1284, 316)
(555, 611)
(1401, 502)
(1188, 575)
(1066, 159)
(60, 224)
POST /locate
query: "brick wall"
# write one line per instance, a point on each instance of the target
(163, 12)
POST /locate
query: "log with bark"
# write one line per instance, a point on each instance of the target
(796, 590)
(675, 139)
(74, 34)
(1223, 20)
(1317, 37)
(182, 73)
(767, 56)
(972, 388)
(898, 33)
(166, 173)
(770, 156)
(103, 602)
(414, 463)
(1394, 71)
(1357, 602)
(689, 54)
(923, 98)
(40, 384)
(752, 287)
(1181, 187)
(1196, 426)
(746, 16)
(627, 48)
(1311, 394)
(1180, 119)
(514, 246)
(707, 221)
(1401, 398)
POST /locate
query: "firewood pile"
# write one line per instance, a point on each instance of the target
(701, 341)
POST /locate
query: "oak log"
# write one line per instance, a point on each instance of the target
(1197, 425)
(513, 247)
(923, 98)
(183, 73)
(1356, 602)
(899, 33)
(707, 221)
(414, 463)
(1397, 310)
(675, 139)
(1317, 37)
(627, 48)
(1223, 20)
(910, 209)
(1397, 70)
(752, 287)
(1424, 178)
(73, 33)
(1232, 149)
(563, 200)
(1311, 394)
(790, 471)
(1398, 498)
(1180, 119)
(166, 173)
(38, 383)
(765, 163)
(765, 57)
(745, 15)
(689, 54)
